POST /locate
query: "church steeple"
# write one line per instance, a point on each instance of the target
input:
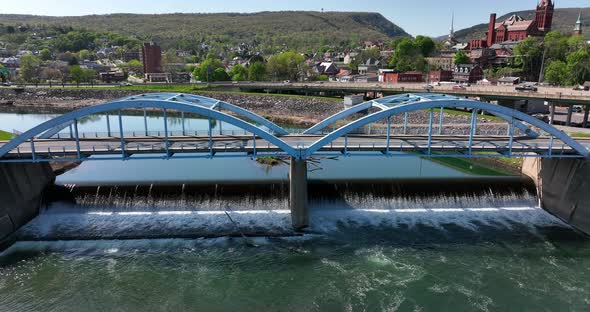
(452, 30)
(578, 28)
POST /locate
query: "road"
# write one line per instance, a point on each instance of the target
(245, 144)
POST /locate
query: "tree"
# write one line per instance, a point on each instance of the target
(29, 65)
(557, 73)
(45, 54)
(3, 73)
(528, 56)
(76, 74)
(578, 66)
(257, 71)
(555, 46)
(238, 73)
(407, 57)
(220, 75)
(425, 44)
(462, 58)
(50, 74)
(286, 65)
(85, 55)
(207, 68)
(135, 66)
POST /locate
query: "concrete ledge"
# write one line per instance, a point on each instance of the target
(21, 193)
(564, 188)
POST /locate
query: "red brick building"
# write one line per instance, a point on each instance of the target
(151, 57)
(467, 73)
(440, 75)
(407, 77)
(516, 28)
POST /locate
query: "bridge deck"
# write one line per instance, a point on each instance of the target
(65, 149)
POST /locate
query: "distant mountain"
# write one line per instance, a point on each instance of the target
(563, 20)
(293, 28)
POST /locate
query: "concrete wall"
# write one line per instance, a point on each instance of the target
(564, 188)
(21, 191)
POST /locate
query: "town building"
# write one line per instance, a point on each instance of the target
(111, 76)
(441, 62)
(131, 55)
(369, 66)
(508, 81)
(440, 75)
(390, 76)
(151, 57)
(326, 68)
(516, 28)
(467, 73)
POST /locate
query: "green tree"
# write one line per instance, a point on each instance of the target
(462, 58)
(555, 46)
(85, 55)
(29, 65)
(45, 54)
(425, 44)
(287, 65)
(76, 74)
(407, 57)
(578, 66)
(238, 73)
(220, 75)
(135, 66)
(204, 72)
(528, 56)
(557, 73)
(257, 71)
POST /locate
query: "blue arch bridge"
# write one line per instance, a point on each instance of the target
(375, 128)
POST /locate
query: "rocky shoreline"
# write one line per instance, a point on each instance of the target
(292, 111)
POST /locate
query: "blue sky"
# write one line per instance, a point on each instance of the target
(428, 17)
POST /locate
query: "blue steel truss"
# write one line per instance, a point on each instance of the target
(211, 108)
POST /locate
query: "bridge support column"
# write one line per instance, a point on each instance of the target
(298, 193)
(570, 112)
(586, 113)
(552, 114)
(21, 191)
(563, 188)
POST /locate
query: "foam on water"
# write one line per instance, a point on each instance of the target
(169, 219)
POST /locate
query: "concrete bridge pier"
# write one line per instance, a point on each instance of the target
(563, 187)
(298, 201)
(21, 192)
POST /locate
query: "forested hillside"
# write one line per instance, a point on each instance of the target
(293, 30)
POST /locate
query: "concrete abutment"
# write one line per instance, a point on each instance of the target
(21, 192)
(564, 188)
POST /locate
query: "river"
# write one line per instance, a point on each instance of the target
(481, 251)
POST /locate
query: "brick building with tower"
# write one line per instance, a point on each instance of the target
(516, 28)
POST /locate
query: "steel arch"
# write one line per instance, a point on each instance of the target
(196, 100)
(433, 104)
(404, 99)
(133, 102)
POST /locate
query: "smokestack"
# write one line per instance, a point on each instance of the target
(491, 30)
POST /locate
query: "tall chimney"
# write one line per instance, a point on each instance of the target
(492, 30)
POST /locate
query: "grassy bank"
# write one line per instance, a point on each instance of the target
(5, 135)
(483, 166)
(579, 135)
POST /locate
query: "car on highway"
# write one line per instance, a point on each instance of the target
(581, 88)
(125, 84)
(286, 81)
(428, 87)
(6, 84)
(577, 109)
(459, 87)
(526, 87)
